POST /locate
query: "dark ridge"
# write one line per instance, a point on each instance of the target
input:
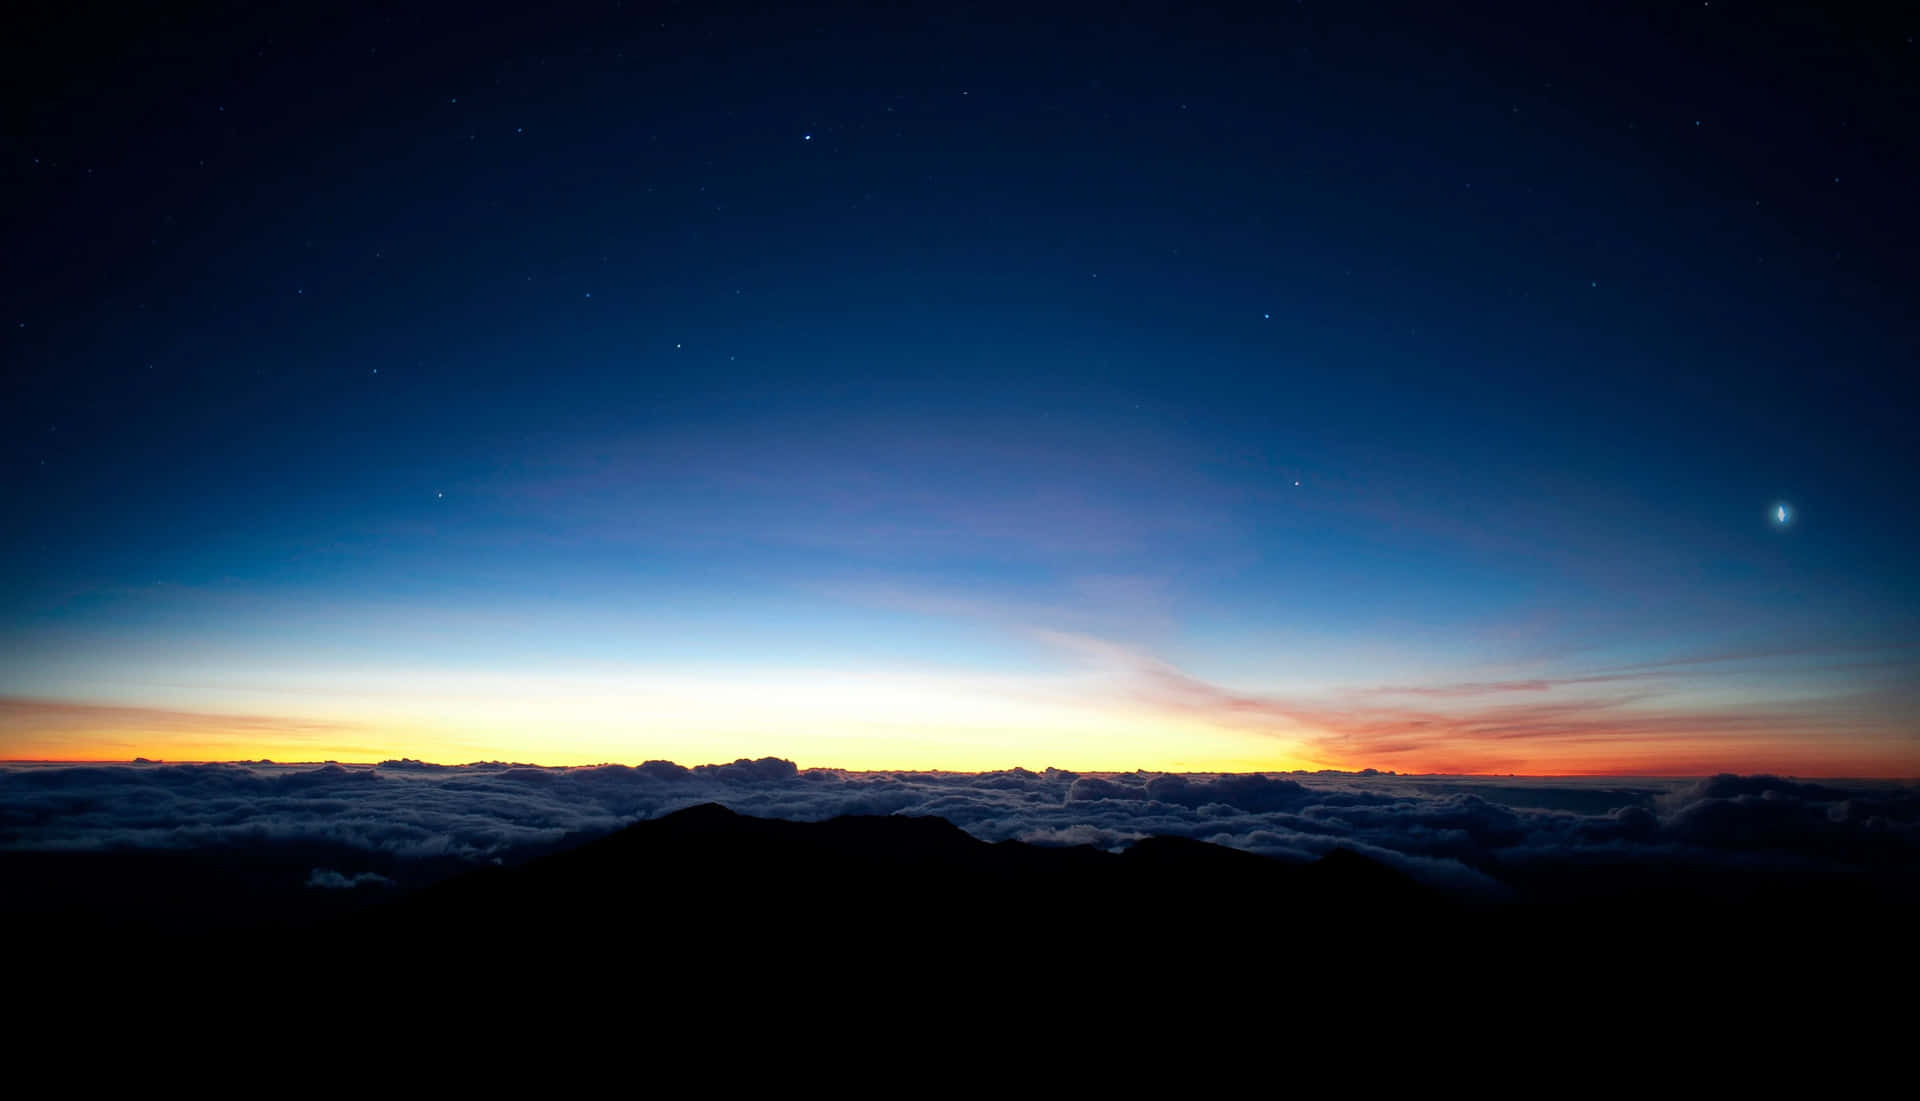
(882, 884)
(705, 922)
(706, 877)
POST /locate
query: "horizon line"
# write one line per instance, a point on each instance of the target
(973, 772)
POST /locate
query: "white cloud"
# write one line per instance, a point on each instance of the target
(1450, 831)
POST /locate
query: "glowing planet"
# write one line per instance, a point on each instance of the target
(1782, 514)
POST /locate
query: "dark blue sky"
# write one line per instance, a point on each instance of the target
(696, 345)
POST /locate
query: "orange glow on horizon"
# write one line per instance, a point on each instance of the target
(1080, 740)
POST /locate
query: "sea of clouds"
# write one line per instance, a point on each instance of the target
(1460, 832)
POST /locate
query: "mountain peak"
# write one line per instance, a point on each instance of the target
(699, 813)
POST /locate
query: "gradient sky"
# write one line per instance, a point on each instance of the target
(955, 387)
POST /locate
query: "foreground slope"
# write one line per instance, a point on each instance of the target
(905, 939)
(708, 876)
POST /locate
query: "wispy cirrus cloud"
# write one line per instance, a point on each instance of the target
(1108, 696)
(1468, 689)
(1654, 719)
(1019, 488)
(1816, 708)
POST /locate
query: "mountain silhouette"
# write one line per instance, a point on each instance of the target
(901, 938)
(708, 876)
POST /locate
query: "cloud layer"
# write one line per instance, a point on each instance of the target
(1476, 834)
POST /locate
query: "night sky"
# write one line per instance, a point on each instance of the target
(1428, 388)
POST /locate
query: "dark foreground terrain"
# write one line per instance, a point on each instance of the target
(908, 922)
(849, 885)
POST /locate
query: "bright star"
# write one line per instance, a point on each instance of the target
(1782, 515)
